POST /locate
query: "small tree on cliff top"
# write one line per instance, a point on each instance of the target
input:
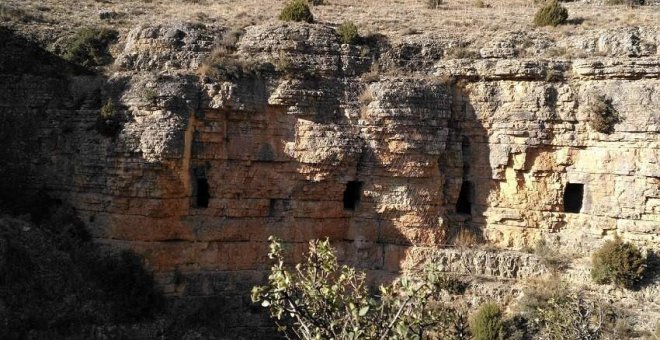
(320, 299)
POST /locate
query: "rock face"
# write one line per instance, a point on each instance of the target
(203, 170)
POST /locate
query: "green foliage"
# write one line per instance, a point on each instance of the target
(109, 122)
(571, 317)
(322, 300)
(486, 323)
(150, 95)
(602, 115)
(296, 10)
(618, 262)
(551, 14)
(348, 33)
(89, 46)
(108, 110)
(433, 4)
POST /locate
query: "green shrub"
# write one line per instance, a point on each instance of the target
(486, 323)
(433, 4)
(602, 115)
(108, 110)
(618, 262)
(319, 299)
(552, 14)
(348, 33)
(109, 122)
(89, 46)
(316, 2)
(296, 10)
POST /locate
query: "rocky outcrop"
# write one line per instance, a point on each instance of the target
(204, 169)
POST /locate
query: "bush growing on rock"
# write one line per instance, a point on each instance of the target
(109, 122)
(618, 262)
(348, 33)
(223, 64)
(297, 10)
(321, 300)
(602, 115)
(486, 323)
(551, 14)
(89, 46)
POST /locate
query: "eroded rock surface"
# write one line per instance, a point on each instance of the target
(203, 170)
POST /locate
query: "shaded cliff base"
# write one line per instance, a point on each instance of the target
(56, 283)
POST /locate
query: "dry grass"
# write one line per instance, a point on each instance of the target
(393, 18)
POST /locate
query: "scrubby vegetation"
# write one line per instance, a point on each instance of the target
(321, 299)
(618, 262)
(110, 120)
(348, 33)
(223, 64)
(89, 46)
(12, 14)
(625, 2)
(551, 14)
(433, 4)
(553, 311)
(55, 283)
(486, 323)
(551, 258)
(602, 115)
(296, 10)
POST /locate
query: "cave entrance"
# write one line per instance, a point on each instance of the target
(202, 196)
(352, 195)
(573, 195)
(464, 203)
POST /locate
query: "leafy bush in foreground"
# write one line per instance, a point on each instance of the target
(321, 300)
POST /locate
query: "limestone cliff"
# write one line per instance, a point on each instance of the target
(317, 143)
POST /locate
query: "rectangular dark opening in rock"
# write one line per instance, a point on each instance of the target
(464, 203)
(352, 195)
(202, 197)
(573, 195)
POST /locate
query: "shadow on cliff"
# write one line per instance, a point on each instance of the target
(469, 183)
(55, 281)
(45, 103)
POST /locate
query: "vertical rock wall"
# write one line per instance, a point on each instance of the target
(204, 170)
